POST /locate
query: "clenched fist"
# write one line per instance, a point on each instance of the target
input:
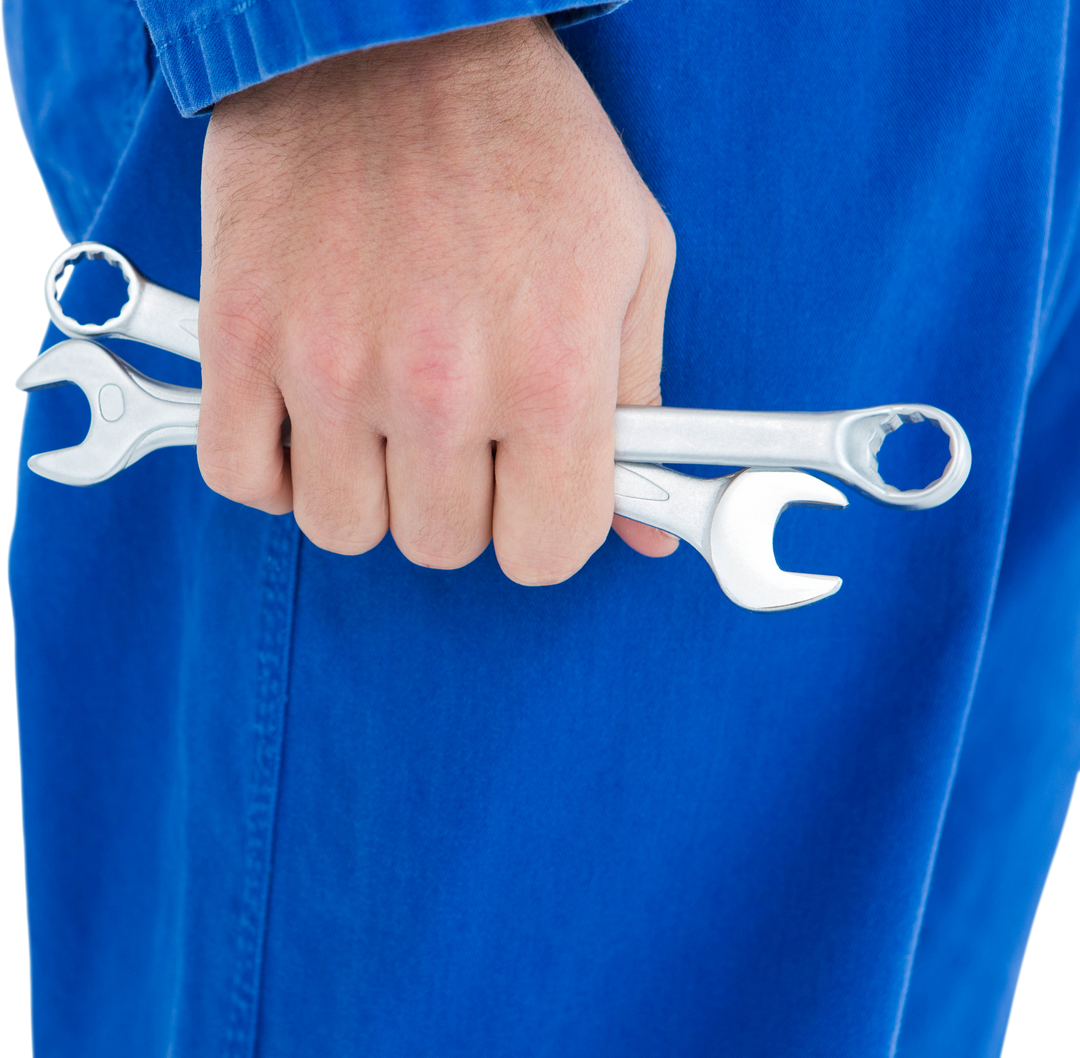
(436, 259)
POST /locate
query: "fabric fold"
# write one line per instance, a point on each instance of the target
(209, 51)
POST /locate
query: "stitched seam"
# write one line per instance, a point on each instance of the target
(198, 27)
(274, 659)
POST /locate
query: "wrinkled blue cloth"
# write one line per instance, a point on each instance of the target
(209, 50)
(284, 802)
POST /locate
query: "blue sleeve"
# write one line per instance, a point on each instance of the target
(209, 49)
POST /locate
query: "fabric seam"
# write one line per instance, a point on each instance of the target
(280, 579)
(197, 28)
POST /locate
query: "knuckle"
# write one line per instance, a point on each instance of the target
(344, 521)
(228, 473)
(334, 371)
(339, 534)
(554, 554)
(449, 553)
(433, 384)
(558, 392)
(449, 532)
(538, 570)
(344, 543)
(237, 335)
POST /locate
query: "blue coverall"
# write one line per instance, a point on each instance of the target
(281, 802)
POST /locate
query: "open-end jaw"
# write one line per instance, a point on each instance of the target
(730, 520)
(130, 414)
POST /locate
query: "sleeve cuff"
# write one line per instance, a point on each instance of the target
(209, 51)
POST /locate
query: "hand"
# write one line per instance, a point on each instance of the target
(438, 261)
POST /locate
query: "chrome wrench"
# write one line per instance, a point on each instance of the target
(729, 520)
(152, 314)
(842, 444)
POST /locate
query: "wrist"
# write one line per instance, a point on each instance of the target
(431, 80)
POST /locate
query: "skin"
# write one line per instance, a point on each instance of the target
(437, 260)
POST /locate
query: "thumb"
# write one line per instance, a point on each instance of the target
(642, 357)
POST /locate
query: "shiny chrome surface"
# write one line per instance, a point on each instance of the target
(843, 444)
(130, 414)
(152, 314)
(730, 520)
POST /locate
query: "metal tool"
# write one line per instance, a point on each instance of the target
(152, 314)
(843, 444)
(729, 520)
(130, 414)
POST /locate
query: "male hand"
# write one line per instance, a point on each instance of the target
(436, 259)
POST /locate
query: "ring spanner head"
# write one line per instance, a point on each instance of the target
(860, 435)
(152, 314)
(844, 444)
(730, 520)
(130, 414)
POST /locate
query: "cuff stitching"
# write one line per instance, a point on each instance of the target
(196, 28)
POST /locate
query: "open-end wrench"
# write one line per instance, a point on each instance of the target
(843, 444)
(131, 414)
(730, 520)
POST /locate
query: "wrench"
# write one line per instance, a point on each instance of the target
(131, 414)
(729, 520)
(842, 444)
(152, 314)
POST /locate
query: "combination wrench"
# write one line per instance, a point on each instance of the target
(730, 520)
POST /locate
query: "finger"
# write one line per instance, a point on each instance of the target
(642, 358)
(338, 470)
(642, 351)
(239, 443)
(552, 508)
(440, 497)
(440, 476)
(645, 539)
(554, 490)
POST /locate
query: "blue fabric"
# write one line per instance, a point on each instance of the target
(213, 48)
(283, 802)
(1021, 749)
(81, 70)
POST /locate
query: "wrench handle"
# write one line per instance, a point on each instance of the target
(843, 444)
(724, 438)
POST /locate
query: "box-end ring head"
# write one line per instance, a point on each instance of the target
(861, 438)
(90, 251)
